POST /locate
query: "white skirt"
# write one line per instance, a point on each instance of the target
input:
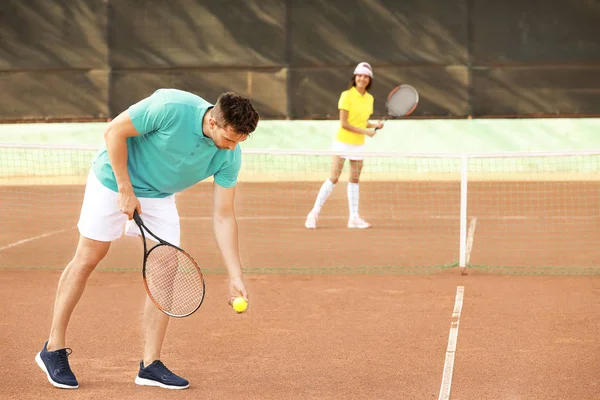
(348, 151)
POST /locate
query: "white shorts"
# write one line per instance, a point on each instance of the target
(347, 151)
(101, 219)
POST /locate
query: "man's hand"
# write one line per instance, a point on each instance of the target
(237, 289)
(128, 202)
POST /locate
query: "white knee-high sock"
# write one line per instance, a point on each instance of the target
(324, 193)
(353, 196)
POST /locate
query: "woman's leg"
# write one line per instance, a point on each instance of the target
(354, 221)
(336, 170)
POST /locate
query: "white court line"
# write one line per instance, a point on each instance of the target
(470, 238)
(411, 217)
(23, 241)
(451, 350)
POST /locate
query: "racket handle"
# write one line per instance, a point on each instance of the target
(137, 218)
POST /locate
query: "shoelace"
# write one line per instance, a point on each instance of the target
(163, 368)
(63, 360)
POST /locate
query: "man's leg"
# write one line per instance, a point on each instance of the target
(161, 217)
(155, 328)
(152, 371)
(53, 359)
(71, 285)
(100, 222)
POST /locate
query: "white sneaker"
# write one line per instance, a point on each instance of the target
(311, 220)
(358, 223)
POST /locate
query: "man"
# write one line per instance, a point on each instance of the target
(159, 146)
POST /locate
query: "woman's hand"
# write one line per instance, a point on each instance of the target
(370, 132)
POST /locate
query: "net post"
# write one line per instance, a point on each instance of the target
(464, 171)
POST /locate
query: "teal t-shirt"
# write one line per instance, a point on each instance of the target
(171, 153)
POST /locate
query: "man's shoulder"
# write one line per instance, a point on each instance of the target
(230, 157)
(234, 154)
(177, 97)
(222, 156)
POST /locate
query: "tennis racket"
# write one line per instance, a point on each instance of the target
(172, 278)
(401, 101)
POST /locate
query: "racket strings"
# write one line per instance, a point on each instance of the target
(401, 101)
(173, 280)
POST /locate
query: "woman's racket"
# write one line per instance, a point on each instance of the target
(401, 101)
(172, 278)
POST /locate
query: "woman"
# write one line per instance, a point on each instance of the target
(356, 106)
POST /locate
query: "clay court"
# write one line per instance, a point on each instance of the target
(334, 313)
(480, 276)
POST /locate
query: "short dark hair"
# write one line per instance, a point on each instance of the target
(353, 82)
(237, 111)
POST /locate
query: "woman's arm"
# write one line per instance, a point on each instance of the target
(346, 125)
(378, 125)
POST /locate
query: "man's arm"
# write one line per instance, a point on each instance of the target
(225, 229)
(115, 136)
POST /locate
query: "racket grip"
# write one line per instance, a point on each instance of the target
(137, 218)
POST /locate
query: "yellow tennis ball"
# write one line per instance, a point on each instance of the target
(240, 304)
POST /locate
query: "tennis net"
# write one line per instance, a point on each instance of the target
(527, 213)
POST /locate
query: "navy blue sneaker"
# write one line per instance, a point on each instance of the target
(156, 374)
(56, 366)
